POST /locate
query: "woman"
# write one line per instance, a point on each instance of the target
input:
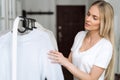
(92, 54)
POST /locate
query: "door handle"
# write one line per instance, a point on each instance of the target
(60, 33)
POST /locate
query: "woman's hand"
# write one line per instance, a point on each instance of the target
(58, 57)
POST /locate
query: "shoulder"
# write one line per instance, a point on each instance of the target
(106, 43)
(80, 34)
(105, 47)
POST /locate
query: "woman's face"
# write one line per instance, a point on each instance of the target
(92, 20)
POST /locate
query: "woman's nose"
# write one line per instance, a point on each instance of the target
(88, 18)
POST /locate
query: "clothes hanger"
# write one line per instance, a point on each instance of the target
(28, 24)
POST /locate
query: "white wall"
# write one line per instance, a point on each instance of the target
(18, 8)
(90, 2)
(72, 2)
(44, 6)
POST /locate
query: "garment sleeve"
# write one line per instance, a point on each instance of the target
(49, 70)
(104, 55)
(76, 40)
(53, 40)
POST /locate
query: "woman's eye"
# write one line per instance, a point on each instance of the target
(94, 18)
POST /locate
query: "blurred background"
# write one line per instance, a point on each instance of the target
(63, 17)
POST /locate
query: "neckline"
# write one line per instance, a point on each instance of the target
(90, 47)
(26, 37)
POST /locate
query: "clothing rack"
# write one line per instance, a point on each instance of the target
(24, 13)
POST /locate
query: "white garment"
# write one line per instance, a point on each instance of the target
(50, 33)
(32, 56)
(5, 53)
(100, 54)
(33, 62)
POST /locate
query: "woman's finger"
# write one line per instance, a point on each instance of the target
(54, 61)
(53, 54)
(52, 51)
(53, 57)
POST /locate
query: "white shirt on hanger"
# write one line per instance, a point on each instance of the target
(32, 56)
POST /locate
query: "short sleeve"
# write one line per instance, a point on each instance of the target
(104, 55)
(77, 38)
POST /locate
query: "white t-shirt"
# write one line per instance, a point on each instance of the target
(32, 57)
(100, 54)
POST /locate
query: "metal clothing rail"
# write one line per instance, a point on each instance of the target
(24, 13)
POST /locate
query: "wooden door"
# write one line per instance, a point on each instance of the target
(70, 20)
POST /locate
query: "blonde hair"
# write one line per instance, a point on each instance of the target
(107, 31)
